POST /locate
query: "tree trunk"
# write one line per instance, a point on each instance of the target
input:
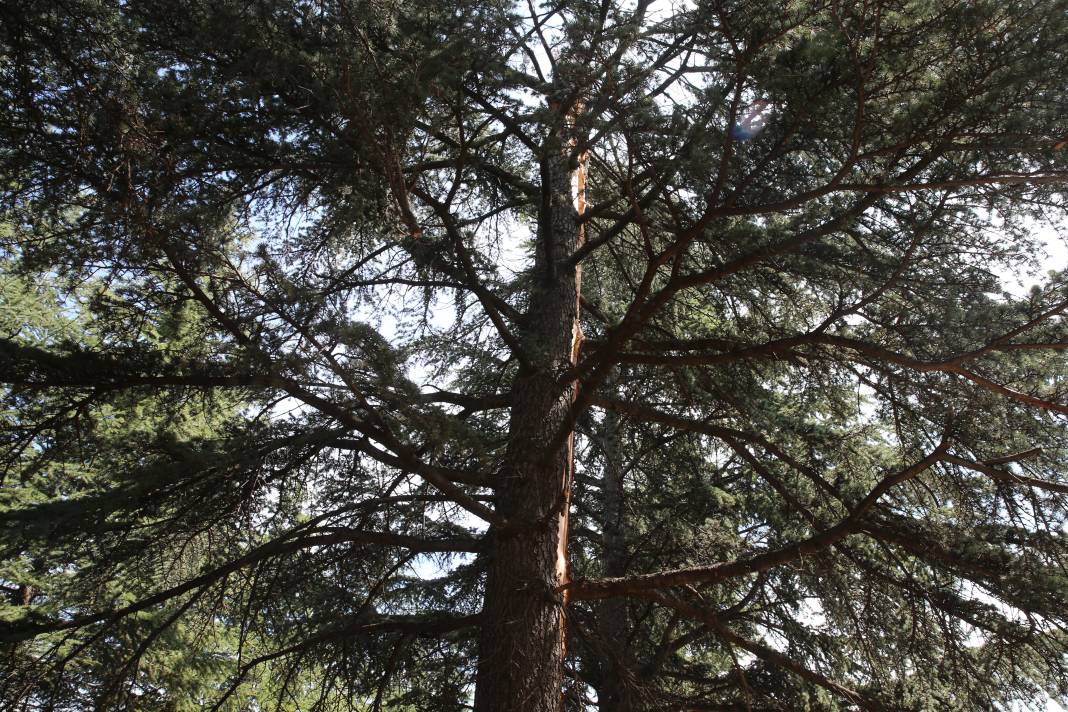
(522, 645)
(616, 693)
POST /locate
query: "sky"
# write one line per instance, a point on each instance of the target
(1055, 258)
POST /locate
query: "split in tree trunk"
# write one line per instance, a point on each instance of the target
(523, 641)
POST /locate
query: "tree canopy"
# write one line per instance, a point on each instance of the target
(605, 355)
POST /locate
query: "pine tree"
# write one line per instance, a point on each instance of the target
(63, 455)
(589, 355)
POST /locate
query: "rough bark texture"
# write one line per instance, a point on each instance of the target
(522, 647)
(616, 692)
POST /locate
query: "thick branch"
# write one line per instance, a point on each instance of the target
(715, 573)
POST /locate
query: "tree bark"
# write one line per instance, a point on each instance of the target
(523, 639)
(616, 693)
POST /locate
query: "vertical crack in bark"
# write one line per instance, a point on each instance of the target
(523, 639)
(563, 563)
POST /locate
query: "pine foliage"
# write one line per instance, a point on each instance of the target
(272, 272)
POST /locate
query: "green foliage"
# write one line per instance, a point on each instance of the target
(273, 277)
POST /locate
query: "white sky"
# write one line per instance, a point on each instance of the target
(514, 257)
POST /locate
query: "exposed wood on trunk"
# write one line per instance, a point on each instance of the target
(523, 640)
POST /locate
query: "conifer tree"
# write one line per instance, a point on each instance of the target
(74, 451)
(616, 355)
